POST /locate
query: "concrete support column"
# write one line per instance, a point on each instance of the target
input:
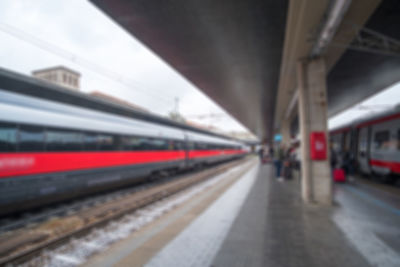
(316, 174)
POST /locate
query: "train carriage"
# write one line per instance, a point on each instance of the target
(51, 151)
(374, 142)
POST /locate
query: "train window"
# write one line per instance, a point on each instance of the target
(90, 141)
(141, 143)
(159, 144)
(171, 144)
(197, 146)
(106, 142)
(118, 145)
(382, 140)
(126, 143)
(8, 137)
(59, 140)
(166, 144)
(200, 146)
(31, 138)
(184, 145)
(179, 145)
(190, 145)
(131, 143)
(145, 143)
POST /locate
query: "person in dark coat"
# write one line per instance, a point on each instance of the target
(278, 159)
(334, 160)
(261, 153)
(347, 163)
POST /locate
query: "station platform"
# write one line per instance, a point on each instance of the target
(252, 219)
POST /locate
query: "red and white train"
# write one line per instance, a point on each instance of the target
(51, 151)
(374, 142)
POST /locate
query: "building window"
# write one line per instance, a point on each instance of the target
(64, 78)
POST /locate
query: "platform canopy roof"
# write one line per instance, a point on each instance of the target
(243, 54)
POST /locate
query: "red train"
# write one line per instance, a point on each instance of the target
(373, 143)
(51, 151)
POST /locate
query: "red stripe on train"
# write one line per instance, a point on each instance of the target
(339, 131)
(393, 166)
(17, 164)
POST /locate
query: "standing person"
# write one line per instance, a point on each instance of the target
(271, 152)
(261, 153)
(278, 158)
(334, 160)
(348, 163)
(287, 163)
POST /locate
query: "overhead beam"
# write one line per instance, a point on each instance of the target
(302, 30)
(336, 11)
(371, 41)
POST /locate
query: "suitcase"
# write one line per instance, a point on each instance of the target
(339, 175)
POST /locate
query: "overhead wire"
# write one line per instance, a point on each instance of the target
(102, 71)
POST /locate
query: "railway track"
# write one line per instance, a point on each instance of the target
(21, 245)
(39, 215)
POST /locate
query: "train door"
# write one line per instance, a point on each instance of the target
(363, 150)
(346, 141)
(336, 141)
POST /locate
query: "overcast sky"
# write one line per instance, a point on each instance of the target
(79, 35)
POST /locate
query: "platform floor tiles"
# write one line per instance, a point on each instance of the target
(260, 221)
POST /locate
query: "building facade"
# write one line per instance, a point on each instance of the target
(59, 75)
